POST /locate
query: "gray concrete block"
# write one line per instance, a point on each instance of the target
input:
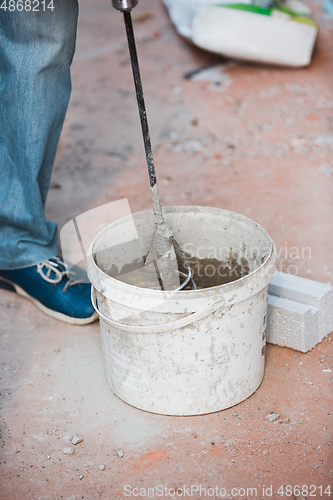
(309, 292)
(300, 312)
(292, 324)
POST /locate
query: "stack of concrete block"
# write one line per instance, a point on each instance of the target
(300, 312)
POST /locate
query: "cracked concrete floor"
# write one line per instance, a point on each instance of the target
(257, 140)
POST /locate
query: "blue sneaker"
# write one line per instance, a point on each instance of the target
(52, 288)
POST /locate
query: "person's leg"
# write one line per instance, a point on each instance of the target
(36, 50)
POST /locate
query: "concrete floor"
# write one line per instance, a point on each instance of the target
(261, 144)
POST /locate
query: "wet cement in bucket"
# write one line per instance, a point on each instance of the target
(207, 272)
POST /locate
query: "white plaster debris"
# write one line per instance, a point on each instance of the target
(298, 89)
(192, 146)
(324, 140)
(269, 92)
(177, 90)
(68, 450)
(120, 453)
(272, 416)
(76, 439)
(101, 467)
(264, 126)
(300, 312)
(188, 146)
(326, 170)
(219, 80)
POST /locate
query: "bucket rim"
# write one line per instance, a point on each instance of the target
(226, 287)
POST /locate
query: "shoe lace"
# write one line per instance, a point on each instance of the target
(51, 271)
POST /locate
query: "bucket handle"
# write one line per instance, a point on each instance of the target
(164, 327)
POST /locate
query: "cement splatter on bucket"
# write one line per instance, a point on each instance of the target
(189, 352)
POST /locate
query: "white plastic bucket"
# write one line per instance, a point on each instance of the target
(187, 352)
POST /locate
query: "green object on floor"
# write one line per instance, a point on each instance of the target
(256, 9)
(248, 8)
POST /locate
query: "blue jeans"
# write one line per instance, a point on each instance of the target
(36, 51)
